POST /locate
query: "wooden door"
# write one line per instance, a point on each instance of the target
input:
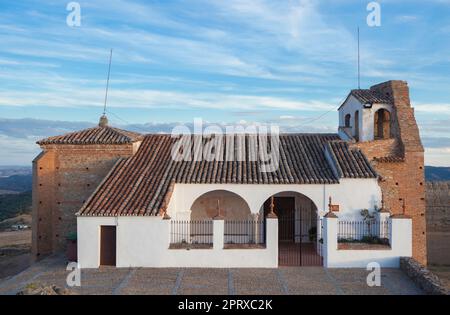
(108, 246)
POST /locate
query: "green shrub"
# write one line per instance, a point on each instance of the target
(72, 236)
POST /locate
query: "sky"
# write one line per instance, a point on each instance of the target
(286, 62)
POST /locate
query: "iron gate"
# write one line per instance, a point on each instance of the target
(299, 240)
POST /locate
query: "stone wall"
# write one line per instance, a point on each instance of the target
(438, 222)
(64, 176)
(422, 277)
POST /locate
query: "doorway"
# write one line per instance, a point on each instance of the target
(284, 208)
(297, 230)
(107, 246)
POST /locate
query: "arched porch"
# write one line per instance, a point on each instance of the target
(226, 204)
(299, 228)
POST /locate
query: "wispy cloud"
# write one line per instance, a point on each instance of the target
(294, 58)
(406, 18)
(157, 99)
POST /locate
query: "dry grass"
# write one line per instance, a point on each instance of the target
(15, 238)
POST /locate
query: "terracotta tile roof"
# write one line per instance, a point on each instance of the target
(370, 97)
(142, 184)
(96, 135)
(350, 162)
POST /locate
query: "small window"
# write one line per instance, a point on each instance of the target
(348, 117)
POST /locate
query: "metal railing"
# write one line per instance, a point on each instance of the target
(319, 238)
(244, 232)
(191, 232)
(364, 231)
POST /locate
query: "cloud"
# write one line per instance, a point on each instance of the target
(442, 109)
(28, 128)
(406, 18)
(246, 57)
(17, 151)
(18, 136)
(132, 98)
(436, 142)
(437, 156)
(287, 117)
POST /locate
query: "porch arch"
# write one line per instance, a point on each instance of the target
(231, 206)
(302, 202)
(299, 229)
(315, 196)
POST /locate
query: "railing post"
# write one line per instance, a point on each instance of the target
(330, 231)
(383, 218)
(166, 221)
(218, 232)
(272, 237)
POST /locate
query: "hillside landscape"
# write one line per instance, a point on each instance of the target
(15, 195)
(433, 173)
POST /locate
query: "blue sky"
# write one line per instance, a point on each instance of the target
(285, 62)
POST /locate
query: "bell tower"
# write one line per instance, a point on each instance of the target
(381, 122)
(366, 115)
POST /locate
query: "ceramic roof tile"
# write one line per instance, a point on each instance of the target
(142, 184)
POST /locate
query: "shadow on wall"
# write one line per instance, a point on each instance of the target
(230, 205)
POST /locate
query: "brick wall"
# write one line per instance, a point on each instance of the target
(64, 176)
(402, 178)
(438, 222)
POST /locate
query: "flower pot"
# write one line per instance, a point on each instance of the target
(71, 250)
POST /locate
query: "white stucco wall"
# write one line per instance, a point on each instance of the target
(366, 117)
(352, 195)
(144, 242)
(400, 239)
(88, 239)
(350, 107)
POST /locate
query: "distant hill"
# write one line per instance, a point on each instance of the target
(12, 205)
(9, 170)
(433, 173)
(18, 183)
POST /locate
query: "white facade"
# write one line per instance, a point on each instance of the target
(144, 242)
(400, 235)
(352, 195)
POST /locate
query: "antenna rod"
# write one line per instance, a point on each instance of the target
(359, 64)
(107, 83)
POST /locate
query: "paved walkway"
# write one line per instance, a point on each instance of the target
(284, 280)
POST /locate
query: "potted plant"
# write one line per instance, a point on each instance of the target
(71, 248)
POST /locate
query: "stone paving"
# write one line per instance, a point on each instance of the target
(283, 280)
